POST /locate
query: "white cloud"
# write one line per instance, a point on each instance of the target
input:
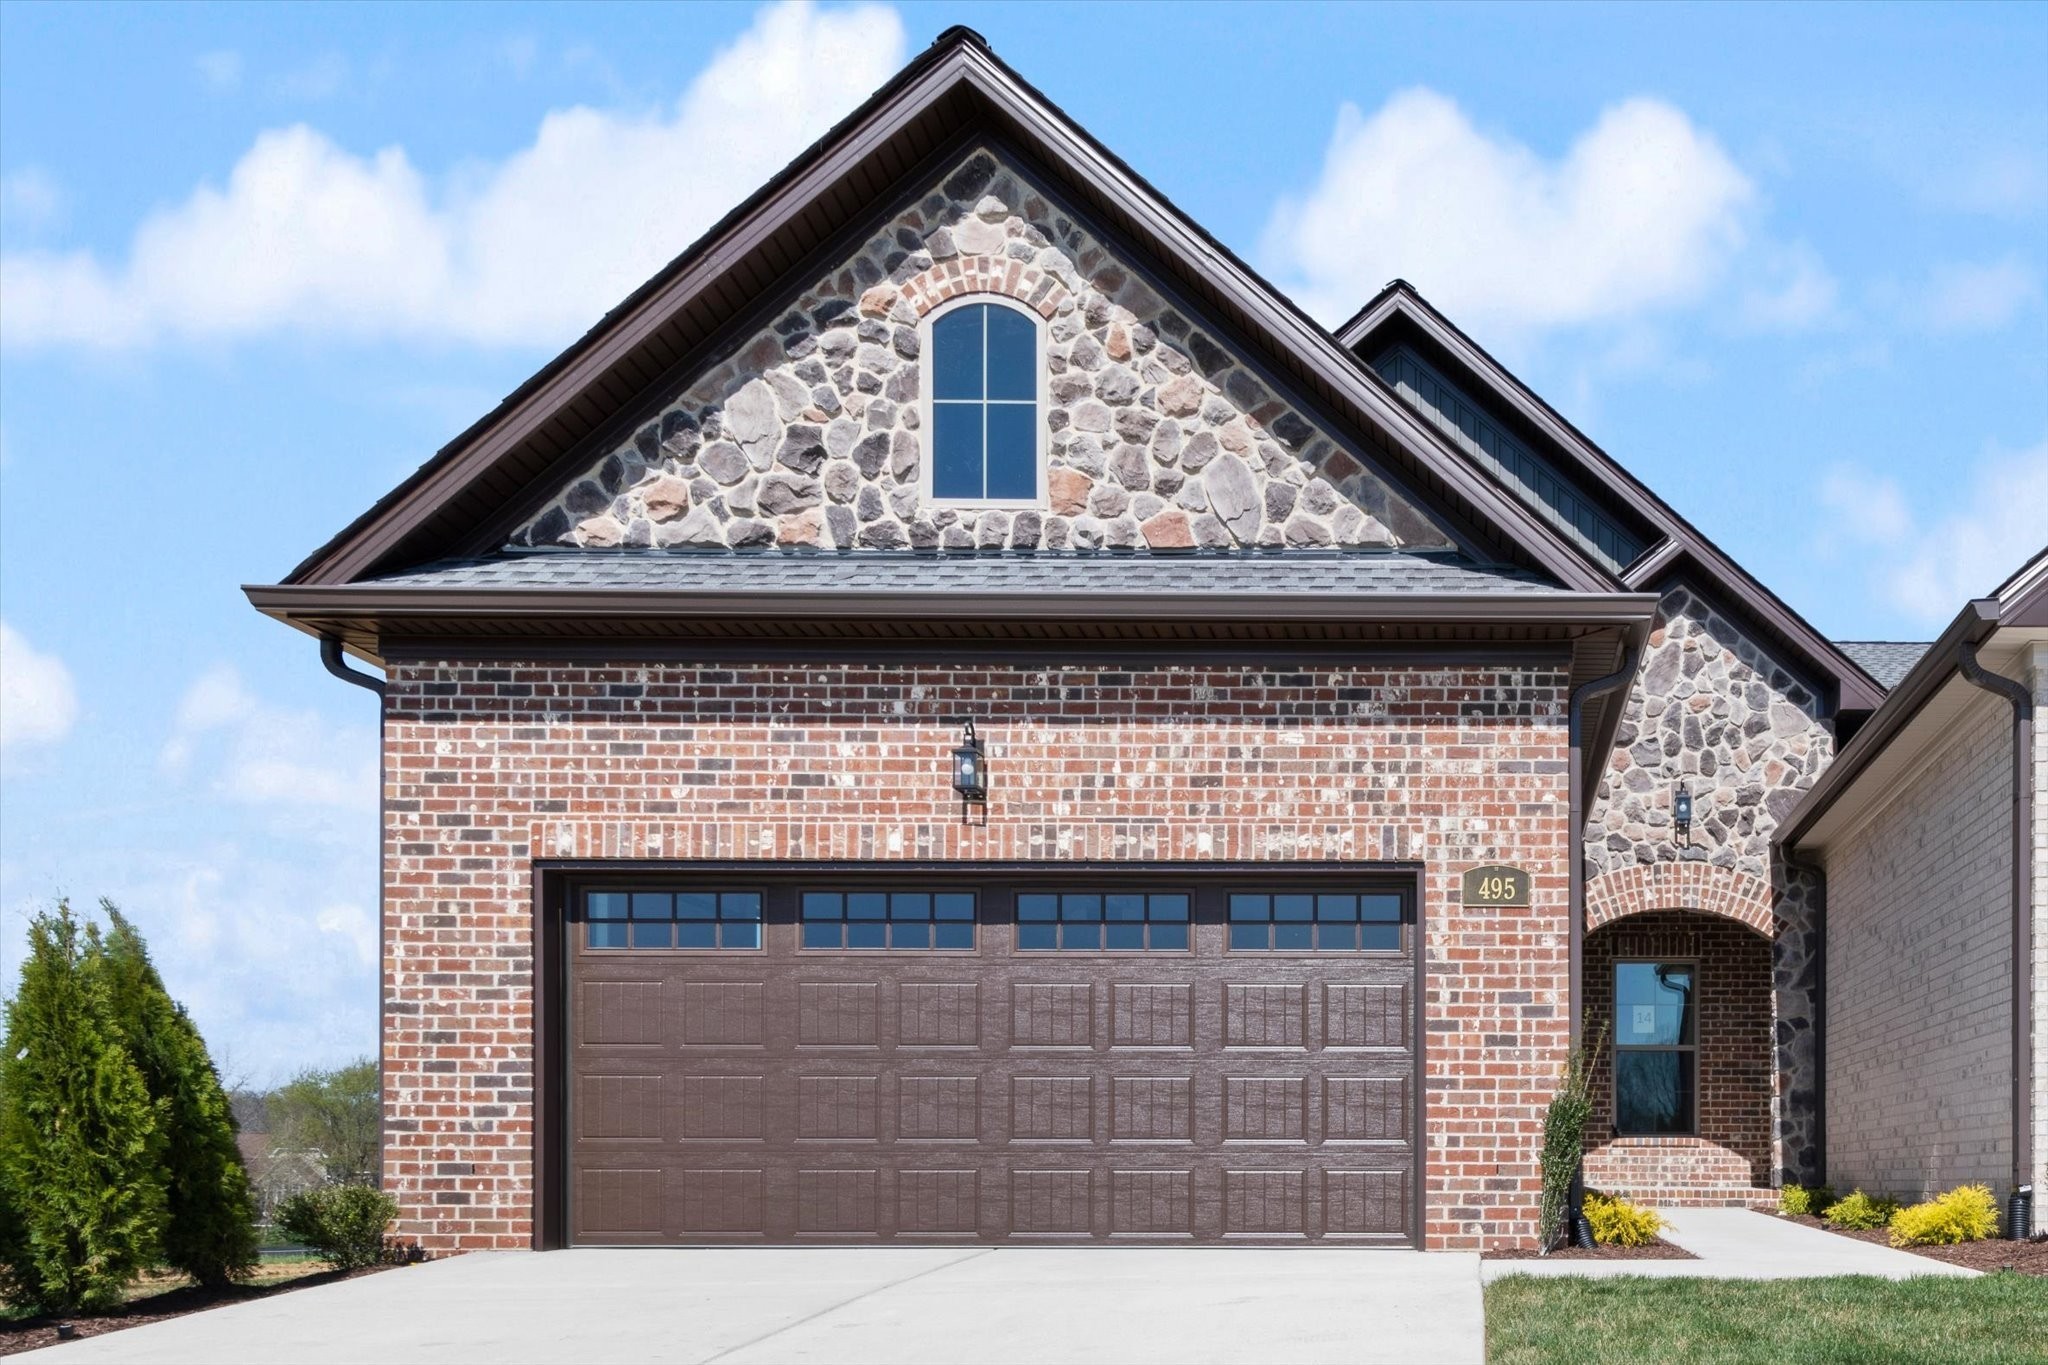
(267, 756)
(38, 704)
(308, 236)
(220, 70)
(1979, 296)
(1928, 563)
(1643, 212)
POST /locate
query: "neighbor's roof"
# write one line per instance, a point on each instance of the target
(1888, 661)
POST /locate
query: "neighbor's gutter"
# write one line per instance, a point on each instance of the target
(331, 658)
(2022, 702)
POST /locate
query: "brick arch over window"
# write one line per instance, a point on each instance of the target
(1696, 886)
(958, 275)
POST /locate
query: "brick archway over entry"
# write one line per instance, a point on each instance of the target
(1694, 886)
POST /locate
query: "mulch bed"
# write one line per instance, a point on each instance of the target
(31, 1333)
(1655, 1250)
(1993, 1253)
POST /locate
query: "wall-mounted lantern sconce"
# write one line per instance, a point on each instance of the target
(1681, 814)
(970, 769)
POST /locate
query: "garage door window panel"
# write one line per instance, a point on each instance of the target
(1099, 921)
(1306, 922)
(866, 921)
(713, 920)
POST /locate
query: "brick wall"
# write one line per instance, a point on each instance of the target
(1919, 988)
(1730, 1159)
(492, 766)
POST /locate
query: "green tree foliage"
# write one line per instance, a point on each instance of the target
(80, 1147)
(211, 1233)
(332, 1113)
(343, 1223)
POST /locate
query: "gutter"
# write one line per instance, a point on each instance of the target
(331, 659)
(2022, 702)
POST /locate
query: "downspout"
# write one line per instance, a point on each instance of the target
(1575, 860)
(1576, 822)
(2022, 702)
(331, 659)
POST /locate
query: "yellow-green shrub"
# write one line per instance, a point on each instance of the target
(1616, 1222)
(1861, 1212)
(1966, 1213)
(1804, 1199)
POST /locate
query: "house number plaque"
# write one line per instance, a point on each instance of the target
(1496, 885)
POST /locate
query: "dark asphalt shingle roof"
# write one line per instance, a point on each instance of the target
(882, 572)
(1888, 661)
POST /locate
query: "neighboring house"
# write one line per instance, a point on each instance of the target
(276, 1175)
(1268, 636)
(1932, 831)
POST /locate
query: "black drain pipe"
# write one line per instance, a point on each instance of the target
(2022, 702)
(332, 660)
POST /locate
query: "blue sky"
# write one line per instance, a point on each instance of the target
(257, 262)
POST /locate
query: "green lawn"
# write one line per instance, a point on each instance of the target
(1853, 1318)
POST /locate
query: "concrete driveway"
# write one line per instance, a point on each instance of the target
(898, 1305)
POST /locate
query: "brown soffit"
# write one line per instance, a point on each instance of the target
(956, 86)
(1683, 543)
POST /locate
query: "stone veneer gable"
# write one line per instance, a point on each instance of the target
(807, 434)
(1713, 706)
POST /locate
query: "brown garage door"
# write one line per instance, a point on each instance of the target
(846, 1058)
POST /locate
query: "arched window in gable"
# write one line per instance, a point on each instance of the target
(987, 404)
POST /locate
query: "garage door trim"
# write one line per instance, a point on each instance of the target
(556, 883)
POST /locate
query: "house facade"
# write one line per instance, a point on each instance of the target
(1355, 734)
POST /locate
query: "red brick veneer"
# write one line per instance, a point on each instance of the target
(1729, 1161)
(1646, 888)
(491, 766)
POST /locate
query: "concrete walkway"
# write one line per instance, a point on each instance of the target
(832, 1305)
(1741, 1244)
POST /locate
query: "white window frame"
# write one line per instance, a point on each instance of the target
(1039, 498)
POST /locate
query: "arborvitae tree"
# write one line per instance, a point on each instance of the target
(211, 1233)
(80, 1149)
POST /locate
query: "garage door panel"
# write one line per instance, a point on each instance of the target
(1146, 1014)
(723, 1014)
(941, 1202)
(1152, 1108)
(938, 1014)
(1052, 1014)
(938, 1108)
(1265, 1015)
(838, 1108)
(838, 1014)
(1365, 1109)
(1366, 1015)
(778, 1094)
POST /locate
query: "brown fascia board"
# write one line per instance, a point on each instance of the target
(1972, 625)
(959, 60)
(1857, 690)
(397, 605)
